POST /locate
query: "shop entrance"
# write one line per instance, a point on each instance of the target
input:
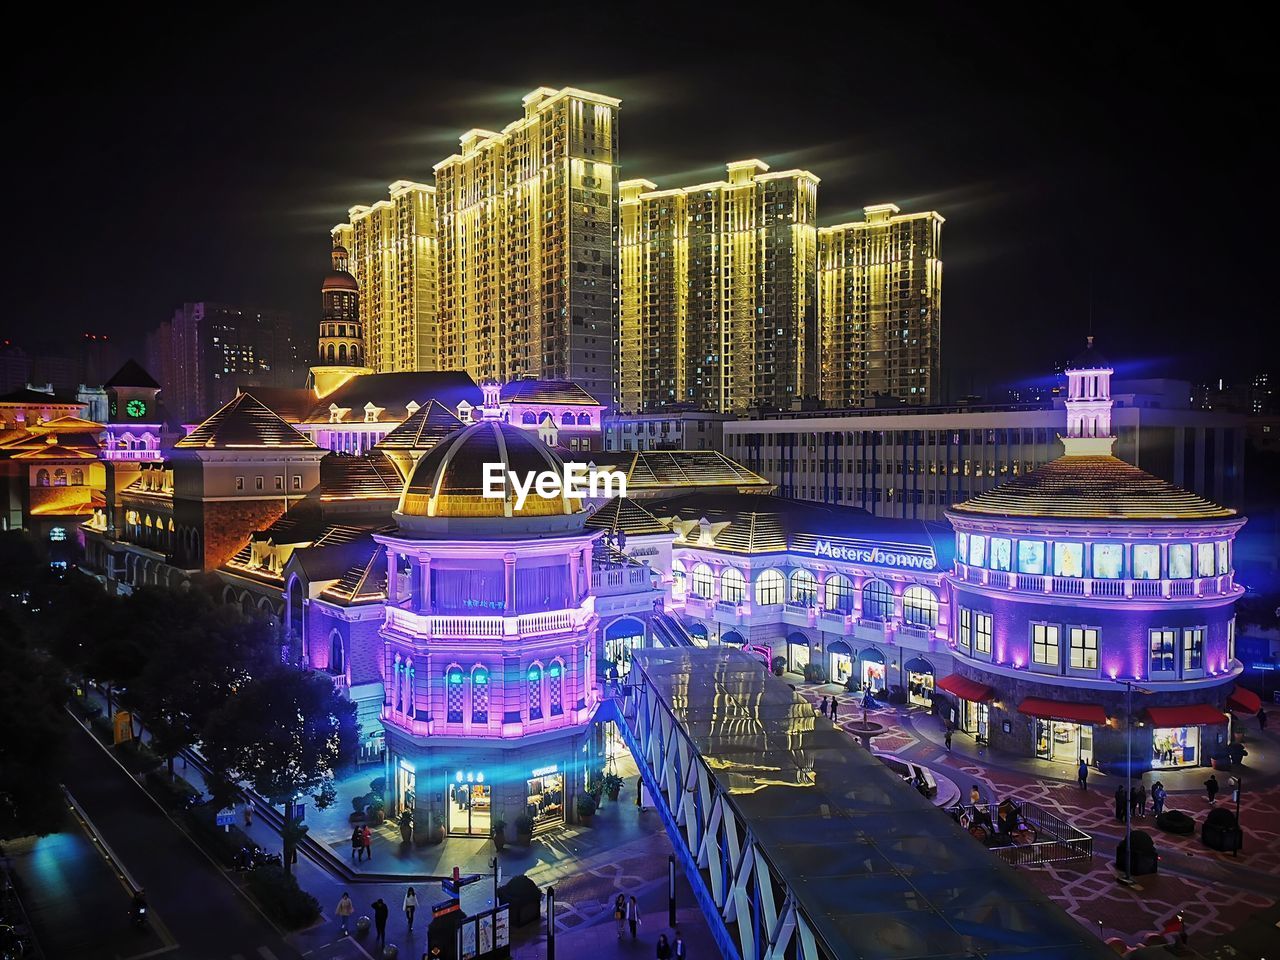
(975, 718)
(797, 652)
(470, 804)
(545, 803)
(1175, 747)
(919, 682)
(406, 786)
(620, 638)
(840, 668)
(1064, 742)
(871, 666)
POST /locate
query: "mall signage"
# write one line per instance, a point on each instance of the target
(880, 555)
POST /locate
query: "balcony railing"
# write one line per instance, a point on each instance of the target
(621, 580)
(1217, 586)
(483, 628)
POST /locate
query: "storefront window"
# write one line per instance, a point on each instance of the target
(1146, 561)
(919, 682)
(977, 550)
(733, 588)
(1064, 742)
(804, 588)
(1175, 747)
(1068, 559)
(470, 805)
(1001, 552)
(545, 803)
(1108, 560)
(872, 664)
(1204, 560)
(841, 666)
(1180, 561)
(797, 652)
(1031, 556)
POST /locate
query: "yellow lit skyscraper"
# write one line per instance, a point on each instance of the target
(880, 302)
(392, 247)
(718, 291)
(527, 259)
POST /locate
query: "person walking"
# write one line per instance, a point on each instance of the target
(946, 738)
(1157, 798)
(1140, 800)
(380, 911)
(1211, 787)
(1082, 775)
(664, 948)
(620, 913)
(678, 949)
(822, 707)
(640, 794)
(366, 840)
(633, 916)
(833, 709)
(1122, 802)
(344, 910)
(410, 906)
(357, 844)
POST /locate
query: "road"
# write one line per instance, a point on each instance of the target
(189, 894)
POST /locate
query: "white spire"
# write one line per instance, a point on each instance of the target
(1089, 406)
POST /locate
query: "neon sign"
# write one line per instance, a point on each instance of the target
(875, 554)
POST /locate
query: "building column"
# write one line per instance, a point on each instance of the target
(393, 574)
(509, 578)
(424, 585)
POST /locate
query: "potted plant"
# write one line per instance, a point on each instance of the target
(437, 830)
(357, 808)
(595, 787)
(612, 785)
(406, 826)
(586, 808)
(377, 809)
(499, 833)
(779, 664)
(524, 829)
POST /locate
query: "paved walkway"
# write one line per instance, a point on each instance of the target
(1217, 893)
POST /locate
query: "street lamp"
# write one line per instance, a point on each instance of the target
(1129, 687)
(1236, 790)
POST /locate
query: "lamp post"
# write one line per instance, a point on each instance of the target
(1235, 847)
(1129, 687)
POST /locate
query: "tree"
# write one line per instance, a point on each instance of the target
(285, 733)
(31, 698)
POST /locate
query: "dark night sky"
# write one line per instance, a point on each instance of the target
(162, 161)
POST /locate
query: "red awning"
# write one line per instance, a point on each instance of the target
(1089, 713)
(1188, 716)
(1244, 699)
(966, 689)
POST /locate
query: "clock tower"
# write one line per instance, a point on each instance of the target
(133, 420)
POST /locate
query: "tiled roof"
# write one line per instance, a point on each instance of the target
(546, 391)
(55, 451)
(1092, 487)
(659, 471)
(244, 423)
(427, 427)
(307, 532)
(392, 392)
(68, 425)
(347, 477)
(132, 375)
(623, 513)
(292, 404)
(364, 581)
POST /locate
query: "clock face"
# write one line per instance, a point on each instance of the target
(135, 408)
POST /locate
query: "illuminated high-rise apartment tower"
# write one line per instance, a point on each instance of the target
(718, 291)
(880, 307)
(392, 248)
(527, 257)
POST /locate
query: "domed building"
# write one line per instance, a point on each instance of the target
(489, 642)
(341, 354)
(1080, 577)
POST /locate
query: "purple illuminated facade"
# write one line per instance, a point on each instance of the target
(1082, 574)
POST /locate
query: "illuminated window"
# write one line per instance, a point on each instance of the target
(964, 635)
(1146, 561)
(479, 695)
(1108, 560)
(1001, 551)
(733, 587)
(453, 695)
(770, 586)
(1068, 559)
(77, 477)
(535, 693)
(877, 600)
(679, 578)
(1224, 556)
(1204, 560)
(60, 477)
(555, 688)
(1084, 648)
(1031, 556)
(839, 593)
(982, 633)
(703, 584)
(1180, 561)
(1192, 650)
(977, 550)
(1045, 638)
(42, 478)
(962, 547)
(804, 588)
(920, 606)
(1163, 651)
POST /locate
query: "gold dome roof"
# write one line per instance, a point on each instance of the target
(1092, 488)
(449, 480)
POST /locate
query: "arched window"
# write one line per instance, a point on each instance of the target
(555, 688)
(77, 477)
(584, 419)
(535, 692)
(804, 588)
(877, 600)
(920, 606)
(566, 420)
(355, 355)
(337, 660)
(733, 587)
(410, 701)
(453, 695)
(397, 688)
(479, 695)
(679, 579)
(42, 478)
(839, 593)
(703, 582)
(60, 477)
(342, 353)
(769, 587)
(331, 353)
(529, 419)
